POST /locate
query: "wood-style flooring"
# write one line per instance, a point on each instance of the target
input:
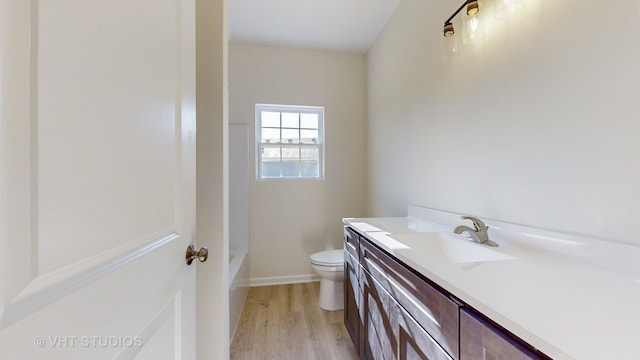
(285, 322)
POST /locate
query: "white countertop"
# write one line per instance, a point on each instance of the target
(569, 307)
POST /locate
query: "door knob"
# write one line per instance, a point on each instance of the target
(201, 254)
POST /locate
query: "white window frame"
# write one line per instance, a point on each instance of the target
(320, 140)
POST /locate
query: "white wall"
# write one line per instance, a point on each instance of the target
(536, 125)
(238, 187)
(292, 219)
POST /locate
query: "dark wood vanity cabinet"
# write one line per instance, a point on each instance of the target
(352, 291)
(382, 302)
(392, 312)
(430, 308)
(481, 340)
(352, 243)
(414, 342)
(377, 338)
(351, 297)
(389, 331)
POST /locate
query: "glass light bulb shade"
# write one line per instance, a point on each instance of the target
(473, 8)
(473, 29)
(448, 30)
(450, 47)
(506, 8)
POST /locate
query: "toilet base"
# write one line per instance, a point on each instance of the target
(331, 295)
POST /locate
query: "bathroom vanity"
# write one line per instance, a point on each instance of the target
(412, 291)
(393, 312)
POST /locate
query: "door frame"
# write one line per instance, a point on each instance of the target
(212, 189)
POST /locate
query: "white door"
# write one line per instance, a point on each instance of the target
(97, 179)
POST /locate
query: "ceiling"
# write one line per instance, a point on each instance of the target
(343, 25)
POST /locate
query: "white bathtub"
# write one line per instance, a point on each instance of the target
(238, 286)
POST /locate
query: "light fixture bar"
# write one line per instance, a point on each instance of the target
(456, 13)
(472, 9)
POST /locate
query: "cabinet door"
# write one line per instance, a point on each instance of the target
(351, 297)
(414, 343)
(377, 340)
(481, 341)
(389, 332)
(434, 311)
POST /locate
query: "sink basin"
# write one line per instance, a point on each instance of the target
(453, 248)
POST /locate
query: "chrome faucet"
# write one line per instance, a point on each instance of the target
(478, 234)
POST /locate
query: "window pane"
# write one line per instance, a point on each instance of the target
(309, 136)
(310, 169)
(271, 153)
(310, 153)
(271, 169)
(291, 153)
(291, 161)
(270, 119)
(290, 120)
(270, 135)
(290, 136)
(309, 121)
(291, 169)
(270, 158)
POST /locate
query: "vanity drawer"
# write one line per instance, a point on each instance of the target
(351, 242)
(481, 340)
(434, 311)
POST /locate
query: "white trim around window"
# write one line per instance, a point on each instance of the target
(289, 142)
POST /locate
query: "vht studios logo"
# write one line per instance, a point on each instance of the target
(88, 341)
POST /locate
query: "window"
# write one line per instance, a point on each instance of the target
(289, 142)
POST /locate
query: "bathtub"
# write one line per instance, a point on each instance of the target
(238, 287)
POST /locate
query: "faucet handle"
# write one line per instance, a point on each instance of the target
(479, 225)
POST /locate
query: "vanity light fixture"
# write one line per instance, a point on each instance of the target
(448, 25)
(472, 9)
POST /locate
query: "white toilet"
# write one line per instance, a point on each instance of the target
(329, 265)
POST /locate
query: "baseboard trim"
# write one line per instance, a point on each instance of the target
(280, 280)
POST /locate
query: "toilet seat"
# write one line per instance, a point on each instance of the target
(328, 258)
